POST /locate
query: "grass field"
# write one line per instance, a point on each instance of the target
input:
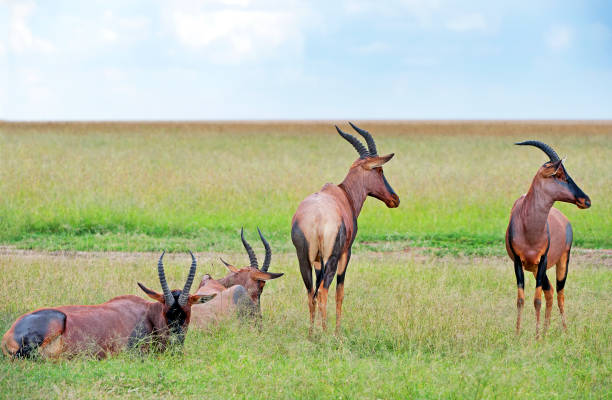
(141, 187)
(415, 326)
(430, 301)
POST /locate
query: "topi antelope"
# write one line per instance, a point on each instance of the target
(251, 278)
(540, 236)
(124, 321)
(239, 291)
(325, 224)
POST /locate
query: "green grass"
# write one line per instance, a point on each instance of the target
(414, 327)
(143, 187)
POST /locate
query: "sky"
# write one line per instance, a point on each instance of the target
(271, 60)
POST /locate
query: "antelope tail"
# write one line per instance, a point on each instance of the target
(319, 277)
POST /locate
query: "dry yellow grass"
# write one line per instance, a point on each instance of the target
(143, 186)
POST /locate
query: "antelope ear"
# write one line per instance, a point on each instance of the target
(229, 266)
(201, 298)
(553, 168)
(378, 161)
(265, 276)
(154, 295)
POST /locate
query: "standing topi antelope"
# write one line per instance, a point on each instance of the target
(325, 224)
(124, 321)
(540, 236)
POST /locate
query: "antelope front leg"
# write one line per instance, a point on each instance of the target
(537, 303)
(548, 295)
(537, 300)
(520, 283)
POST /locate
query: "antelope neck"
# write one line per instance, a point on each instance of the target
(355, 193)
(534, 211)
(226, 281)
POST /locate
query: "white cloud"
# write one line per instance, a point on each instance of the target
(559, 38)
(122, 29)
(108, 35)
(421, 11)
(373, 48)
(419, 62)
(113, 74)
(21, 38)
(467, 22)
(32, 84)
(237, 32)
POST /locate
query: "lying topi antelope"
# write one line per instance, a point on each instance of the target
(252, 278)
(325, 223)
(124, 321)
(540, 236)
(241, 289)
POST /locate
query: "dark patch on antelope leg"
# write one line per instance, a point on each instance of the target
(518, 265)
(331, 266)
(541, 274)
(32, 329)
(569, 234)
(239, 294)
(301, 248)
(245, 307)
(340, 277)
(561, 283)
(537, 301)
(141, 331)
(520, 283)
(520, 280)
(319, 276)
(518, 271)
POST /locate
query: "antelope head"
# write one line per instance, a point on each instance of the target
(552, 178)
(367, 169)
(176, 304)
(252, 277)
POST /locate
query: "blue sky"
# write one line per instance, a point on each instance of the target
(242, 59)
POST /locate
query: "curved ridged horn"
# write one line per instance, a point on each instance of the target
(249, 250)
(542, 146)
(224, 262)
(162, 280)
(363, 152)
(368, 138)
(268, 258)
(185, 293)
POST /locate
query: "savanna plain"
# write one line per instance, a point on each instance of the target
(430, 295)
